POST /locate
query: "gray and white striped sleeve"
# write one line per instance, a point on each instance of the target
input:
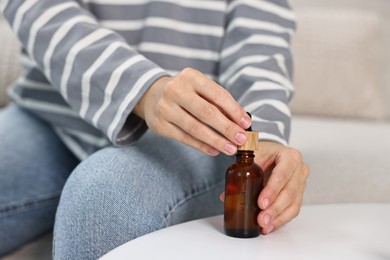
(95, 70)
(256, 63)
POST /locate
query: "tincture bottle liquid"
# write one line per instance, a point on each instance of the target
(243, 184)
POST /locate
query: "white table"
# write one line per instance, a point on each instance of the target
(344, 231)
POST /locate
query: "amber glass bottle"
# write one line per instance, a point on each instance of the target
(243, 184)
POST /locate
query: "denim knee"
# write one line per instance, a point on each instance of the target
(119, 194)
(105, 202)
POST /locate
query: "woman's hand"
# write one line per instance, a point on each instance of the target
(189, 107)
(281, 198)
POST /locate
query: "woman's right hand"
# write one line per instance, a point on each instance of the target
(189, 107)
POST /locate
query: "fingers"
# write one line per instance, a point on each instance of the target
(286, 162)
(290, 213)
(174, 132)
(201, 132)
(222, 197)
(284, 208)
(217, 95)
(201, 112)
(282, 197)
(209, 115)
(198, 107)
(285, 199)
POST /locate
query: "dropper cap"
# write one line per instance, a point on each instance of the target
(251, 139)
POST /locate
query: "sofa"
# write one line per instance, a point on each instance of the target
(341, 109)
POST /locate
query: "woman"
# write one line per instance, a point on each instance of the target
(98, 74)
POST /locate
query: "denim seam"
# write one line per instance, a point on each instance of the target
(14, 210)
(185, 199)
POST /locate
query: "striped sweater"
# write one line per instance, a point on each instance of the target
(88, 62)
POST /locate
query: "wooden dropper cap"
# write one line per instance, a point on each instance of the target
(252, 140)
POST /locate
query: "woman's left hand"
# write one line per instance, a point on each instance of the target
(281, 199)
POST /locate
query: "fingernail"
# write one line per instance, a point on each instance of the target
(230, 148)
(270, 229)
(213, 151)
(241, 137)
(265, 203)
(266, 219)
(246, 122)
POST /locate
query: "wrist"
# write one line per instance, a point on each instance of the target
(142, 104)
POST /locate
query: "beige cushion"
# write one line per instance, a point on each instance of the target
(342, 58)
(348, 159)
(9, 59)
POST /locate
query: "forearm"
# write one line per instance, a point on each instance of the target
(95, 70)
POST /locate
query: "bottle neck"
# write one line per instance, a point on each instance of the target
(244, 156)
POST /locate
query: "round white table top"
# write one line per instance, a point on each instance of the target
(343, 231)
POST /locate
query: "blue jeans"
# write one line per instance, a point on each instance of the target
(34, 166)
(115, 195)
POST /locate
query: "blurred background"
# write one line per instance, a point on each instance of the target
(342, 58)
(341, 109)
